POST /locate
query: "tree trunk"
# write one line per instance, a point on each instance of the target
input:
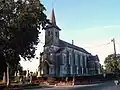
(4, 77)
(8, 81)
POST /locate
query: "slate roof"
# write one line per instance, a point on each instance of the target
(50, 25)
(66, 44)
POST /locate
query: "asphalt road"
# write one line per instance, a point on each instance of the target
(102, 86)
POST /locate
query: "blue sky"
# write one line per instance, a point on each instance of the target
(73, 16)
(88, 23)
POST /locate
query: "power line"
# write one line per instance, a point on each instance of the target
(98, 45)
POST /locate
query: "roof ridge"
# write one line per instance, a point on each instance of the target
(82, 49)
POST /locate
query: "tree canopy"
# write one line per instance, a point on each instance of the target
(112, 65)
(20, 22)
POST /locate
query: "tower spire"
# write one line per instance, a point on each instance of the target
(52, 18)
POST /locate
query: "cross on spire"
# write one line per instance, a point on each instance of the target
(53, 3)
(52, 18)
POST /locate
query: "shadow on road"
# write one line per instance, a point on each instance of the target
(47, 86)
(102, 86)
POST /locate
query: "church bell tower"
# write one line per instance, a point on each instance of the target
(52, 32)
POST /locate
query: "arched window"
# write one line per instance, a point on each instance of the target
(56, 34)
(83, 59)
(52, 33)
(71, 60)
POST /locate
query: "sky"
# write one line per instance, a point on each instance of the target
(90, 23)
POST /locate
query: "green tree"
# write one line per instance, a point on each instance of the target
(15, 68)
(20, 22)
(112, 64)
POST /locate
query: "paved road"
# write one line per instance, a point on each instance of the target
(103, 86)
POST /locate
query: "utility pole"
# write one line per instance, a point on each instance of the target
(113, 40)
(116, 63)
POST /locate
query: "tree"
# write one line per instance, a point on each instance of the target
(15, 68)
(20, 22)
(112, 65)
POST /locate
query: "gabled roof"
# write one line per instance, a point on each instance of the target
(66, 44)
(52, 22)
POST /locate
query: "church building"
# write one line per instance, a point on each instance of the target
(60, 58)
